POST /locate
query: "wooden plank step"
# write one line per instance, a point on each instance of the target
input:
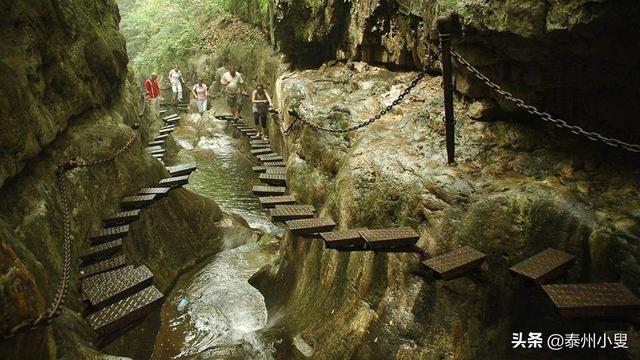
(103, 266)
(292, 212)
(95, 280)
(274, 164)
(593, 300)
(161, 137)
(137, 201)
(172, 121)
(160, 191)
(125, 311)
(157, 152)
(110, 233)
(156, 143)
(265, 150)
(158, 156)
(276, 170)
(174, 181)
(170, 116)
(224, 117)
(456, 263)
(254, 137)
(166, 130)
(545, 266)
(163, 111)
(122, 218)
(272, 201)
(261, 146)
(259, 142)
(180, 170)
(268, 190)
(383, 239)
(273, 179)
(270, 157)
(154, 148)
(259, 169)
(101, 250)
(344, 240)
(310, 226)
(127, 284)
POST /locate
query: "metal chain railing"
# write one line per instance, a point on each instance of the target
(298, 117)
(593, 136)
(55, 307)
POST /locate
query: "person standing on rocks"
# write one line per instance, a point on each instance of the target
(234, 89)
(153, 91)
(261, 104)
(201, 93)
(175, 77)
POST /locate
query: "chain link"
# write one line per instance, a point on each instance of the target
(593, 136)
(298, 117)
(55, 307)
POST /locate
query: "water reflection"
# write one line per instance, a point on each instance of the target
(224, 172)
(214, 312)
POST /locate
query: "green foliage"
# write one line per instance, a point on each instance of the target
(252, 11)
(163, 32)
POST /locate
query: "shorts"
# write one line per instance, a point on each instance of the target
(260, 119)
(202, 105)
(154, 104)
(176, 87)
(234, 100)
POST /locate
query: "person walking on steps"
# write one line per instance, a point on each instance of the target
(201, 93)
(153, 91)
(175, 77)
(233, 82)
(261, 104)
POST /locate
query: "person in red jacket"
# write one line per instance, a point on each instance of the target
(153, 91)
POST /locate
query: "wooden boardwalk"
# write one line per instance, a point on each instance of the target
(116, 293)
(572, 300)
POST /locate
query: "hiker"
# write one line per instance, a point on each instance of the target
(234, 89)
(261, 104)
(153, 91)
(201, 93)
(175, 77)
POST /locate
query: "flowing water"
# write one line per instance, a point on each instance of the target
(213, 312)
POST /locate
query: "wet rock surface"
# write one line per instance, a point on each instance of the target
(61, 61)
(573, 59)
(511, 194)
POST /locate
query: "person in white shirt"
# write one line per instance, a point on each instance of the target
(201, 93)
(234, 89)
(175, 77)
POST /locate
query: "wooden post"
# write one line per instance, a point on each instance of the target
(445, 25)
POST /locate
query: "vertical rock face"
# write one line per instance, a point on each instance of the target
(575, 59)
(67, 93)
(59, 60)
(514, 192)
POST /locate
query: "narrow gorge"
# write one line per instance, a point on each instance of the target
(393, 209)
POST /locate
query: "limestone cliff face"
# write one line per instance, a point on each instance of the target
(60, 59)
(514, 192)
(66, 94)
(575, 59)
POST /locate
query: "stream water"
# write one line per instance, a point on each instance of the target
(213, 312)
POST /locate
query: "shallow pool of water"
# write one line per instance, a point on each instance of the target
(224, 172)
(214, 312)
